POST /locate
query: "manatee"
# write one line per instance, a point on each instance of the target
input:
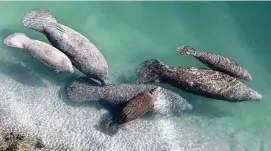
(83, 54)
(85, 90)
(43, 52)
(217, 62)
(131, 110)
(137, 106)
(200, 81)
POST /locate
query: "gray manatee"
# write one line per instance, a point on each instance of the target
(217, 62)
(43, 52)
(200, 81)
(84, 90)
(83, 54)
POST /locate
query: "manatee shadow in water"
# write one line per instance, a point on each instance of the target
(105, 126)
(20, 74)
(201, 106)
(111, 128)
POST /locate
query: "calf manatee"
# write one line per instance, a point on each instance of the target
(83, 54)
(217, 62)
(84, 90)
(43, 52)
(200, 81)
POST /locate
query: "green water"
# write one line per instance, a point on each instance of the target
(128, 33)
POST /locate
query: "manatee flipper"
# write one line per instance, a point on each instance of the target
(38, 19)
(16, 40)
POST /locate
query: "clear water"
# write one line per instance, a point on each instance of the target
(128, 33)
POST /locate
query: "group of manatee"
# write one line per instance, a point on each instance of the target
(69, 48)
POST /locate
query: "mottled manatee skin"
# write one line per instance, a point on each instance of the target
(83, 54)
(200, 81)
(43, 52)
(83, 90)
(221, 63)
(209, 83)
(137, 106)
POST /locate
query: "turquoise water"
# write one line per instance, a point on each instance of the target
(128, 33)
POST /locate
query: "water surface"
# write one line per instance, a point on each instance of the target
(128, 33)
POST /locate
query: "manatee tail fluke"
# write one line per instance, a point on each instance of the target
(247, 76)
(149, 71)
(37, 19)
(256, 96)
(16, 40)
(186, 50)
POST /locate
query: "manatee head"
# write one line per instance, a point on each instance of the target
(150, 71)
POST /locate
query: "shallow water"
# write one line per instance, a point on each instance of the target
(127, 33)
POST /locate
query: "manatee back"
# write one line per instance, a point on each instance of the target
(84, 55)
(49, 55)
(136, 107)
(212, 84)
(83, 90)
(224, 64)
